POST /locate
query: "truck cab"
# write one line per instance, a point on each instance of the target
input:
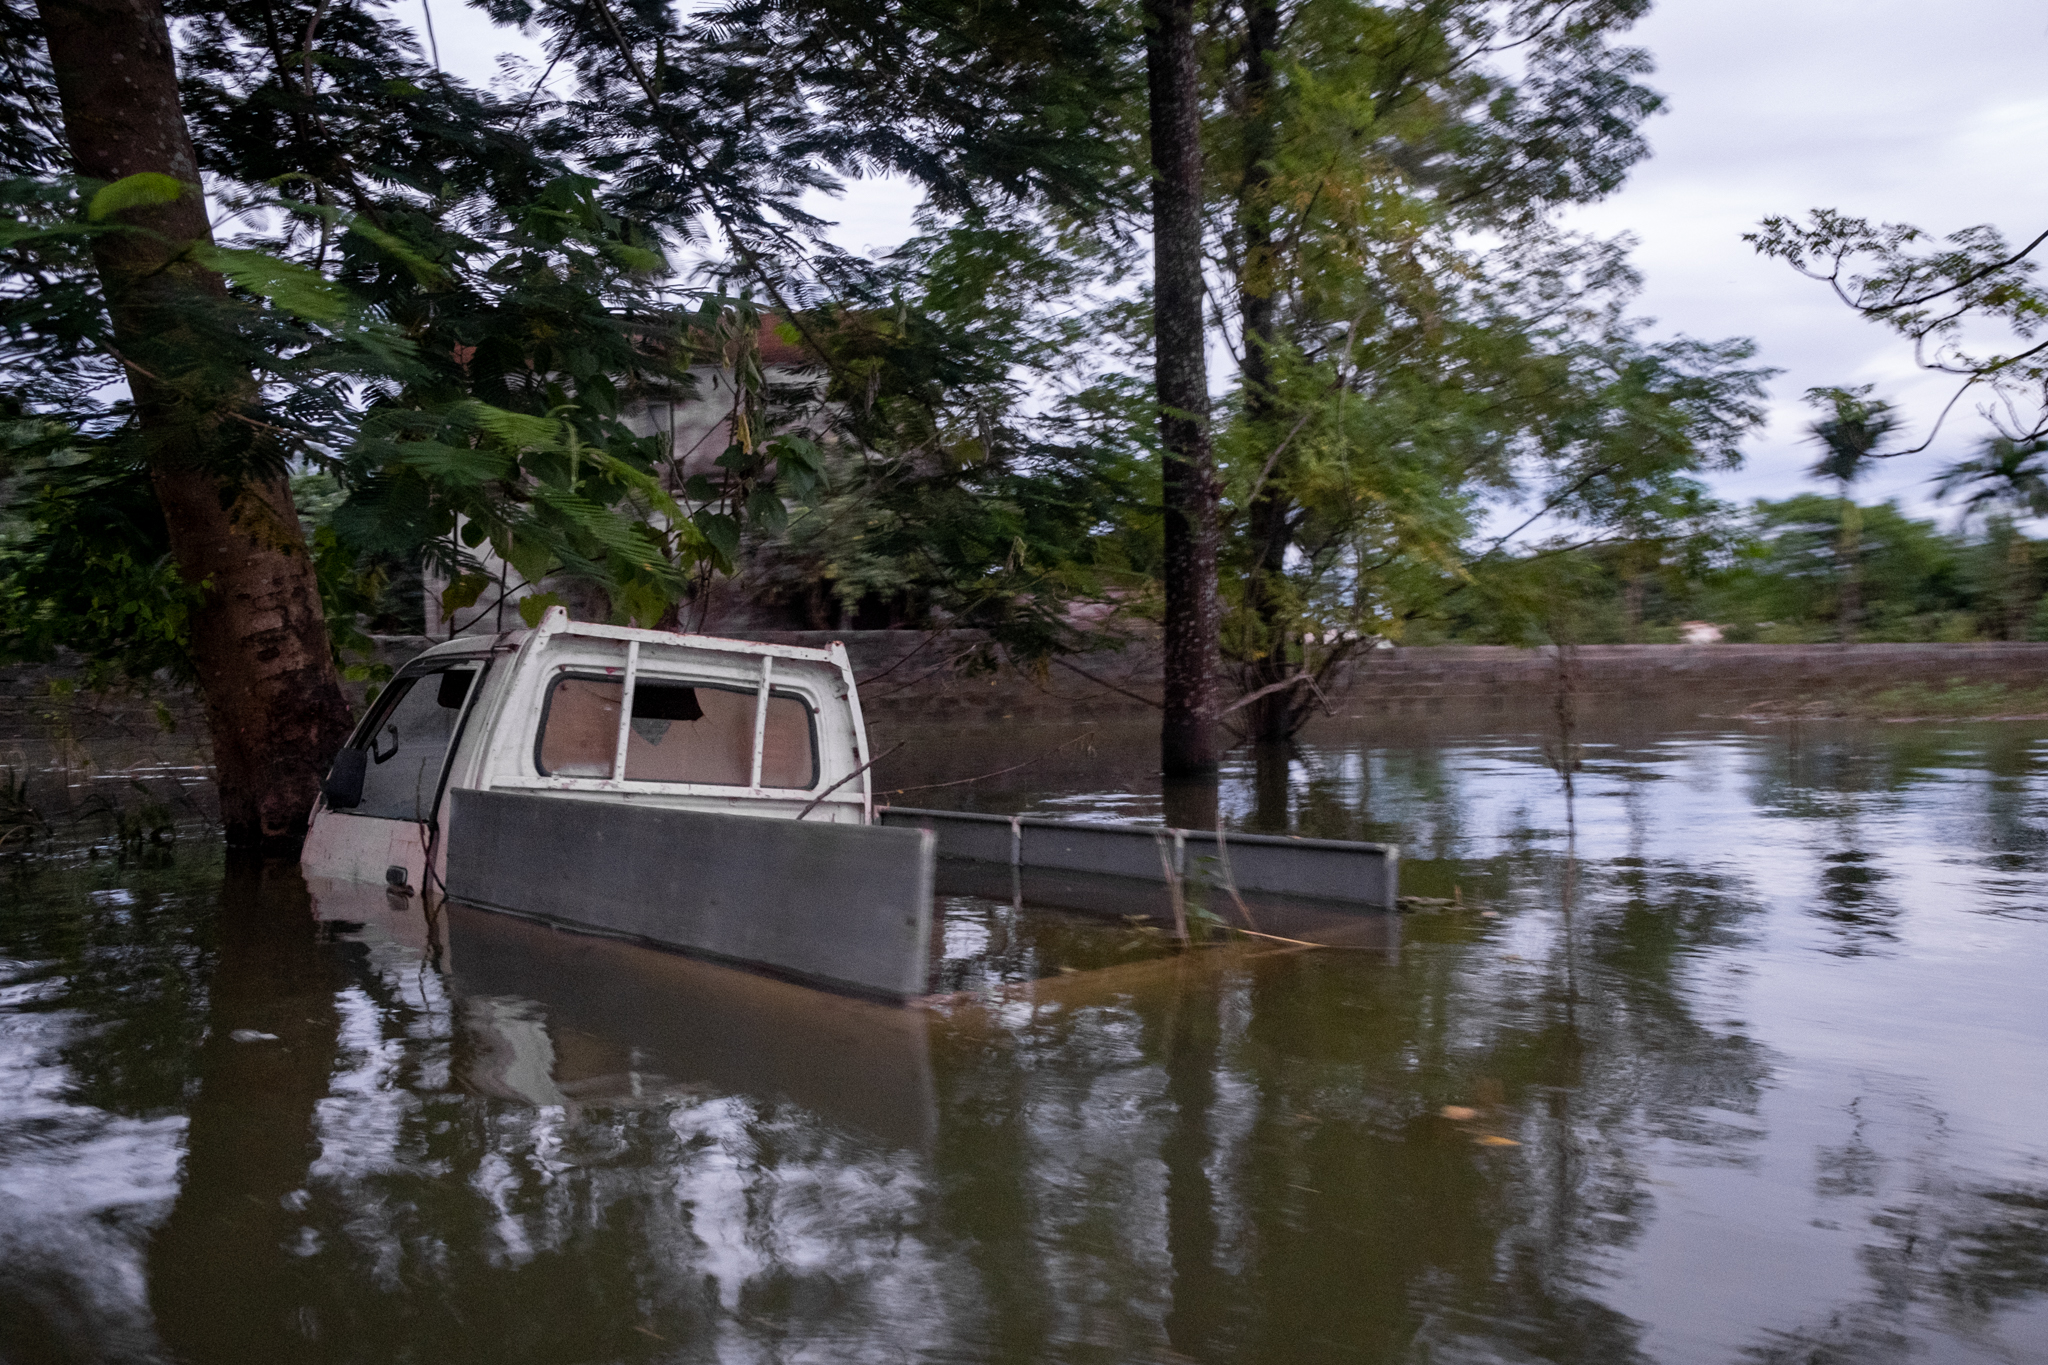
(590, 713)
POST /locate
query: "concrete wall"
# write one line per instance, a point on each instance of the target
(910, 679)
(906, 676)
(1710, 679)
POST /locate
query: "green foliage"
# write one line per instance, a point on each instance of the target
(950, 492)
(2005, 474)
(454, 302)
(1850, 435)
(1004, 544)
(1767, 574)
(1948, 296)
(1907, 570)
(134, 191)
(85, 560)
(460, 307)
(1407, 381)
(1770, 574)
(534, 606)
(1401, 386)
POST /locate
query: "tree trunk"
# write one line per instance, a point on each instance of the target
(1272, 789)
(259, 641)
(1849, 604)
(1190, 802)
(1632, 605)
(2019, 585)
(1187, 739)
(1269, 522)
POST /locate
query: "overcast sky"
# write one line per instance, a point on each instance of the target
(1933, 112)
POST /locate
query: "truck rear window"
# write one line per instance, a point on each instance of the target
(680, 732)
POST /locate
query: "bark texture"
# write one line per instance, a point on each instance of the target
(273, 700)
(1188, 728)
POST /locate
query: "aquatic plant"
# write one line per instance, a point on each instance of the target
(22, 826)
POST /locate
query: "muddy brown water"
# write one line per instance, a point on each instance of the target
(1747, 1065)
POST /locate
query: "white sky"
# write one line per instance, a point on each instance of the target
(1933, 112)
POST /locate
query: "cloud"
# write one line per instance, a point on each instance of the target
(1900, 110)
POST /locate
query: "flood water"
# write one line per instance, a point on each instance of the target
(1746, 1062)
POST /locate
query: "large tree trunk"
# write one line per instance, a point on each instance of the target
(259, 642)
(1269, 518)
(1187, 737)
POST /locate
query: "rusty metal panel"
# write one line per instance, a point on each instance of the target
(847, 906)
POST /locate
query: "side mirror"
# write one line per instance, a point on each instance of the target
(344, 785)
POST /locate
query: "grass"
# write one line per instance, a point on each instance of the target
(1956, 699)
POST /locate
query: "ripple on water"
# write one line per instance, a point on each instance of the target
(1736, 1058)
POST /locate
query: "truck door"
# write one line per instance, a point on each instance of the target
(404, 744)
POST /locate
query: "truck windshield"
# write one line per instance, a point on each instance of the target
(408, 739)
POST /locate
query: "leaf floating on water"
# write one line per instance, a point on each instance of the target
(1458, 1113)
(1495, 1140)
(250, 1035)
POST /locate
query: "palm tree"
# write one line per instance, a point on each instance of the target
(2006, 474)
(2006, 479)
(1849, 436)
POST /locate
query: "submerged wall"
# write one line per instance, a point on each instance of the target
(1711, 679)
(907, 675)
(910, 678)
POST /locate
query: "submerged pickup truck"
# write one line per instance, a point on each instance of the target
(715, 796)
(642, 718)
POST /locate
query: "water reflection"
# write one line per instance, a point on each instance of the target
(227, 1280)
(1740, 1070)
(552, 1019)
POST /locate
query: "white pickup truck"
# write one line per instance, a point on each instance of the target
(615, 781)
(715, 796)
(639, 717)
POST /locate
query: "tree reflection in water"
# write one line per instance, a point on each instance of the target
(1676, 1048)
(229, 1273)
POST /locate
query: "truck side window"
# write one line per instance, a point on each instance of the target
(680, 732)
(407, 742)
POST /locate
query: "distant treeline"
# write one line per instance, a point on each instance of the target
(1775, 578)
